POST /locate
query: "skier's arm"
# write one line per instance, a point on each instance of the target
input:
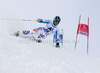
(43, 21)
(57, 38)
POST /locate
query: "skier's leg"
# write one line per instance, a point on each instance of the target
(23, 33)
(39, 34)
(36, 34)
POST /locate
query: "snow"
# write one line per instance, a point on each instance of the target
(20, 55)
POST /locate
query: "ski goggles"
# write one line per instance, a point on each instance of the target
(57, 21)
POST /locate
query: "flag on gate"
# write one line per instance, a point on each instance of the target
(83, 29)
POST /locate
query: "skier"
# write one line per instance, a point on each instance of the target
(43, 32)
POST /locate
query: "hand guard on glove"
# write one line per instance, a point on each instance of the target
(57, 43)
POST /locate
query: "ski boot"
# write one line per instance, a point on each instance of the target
(17, 33)
(39, 41)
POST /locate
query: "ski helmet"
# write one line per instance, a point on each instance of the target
(57, 19)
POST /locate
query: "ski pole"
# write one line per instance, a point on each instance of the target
(17, 19)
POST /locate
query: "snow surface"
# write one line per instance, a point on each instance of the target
(20, 55)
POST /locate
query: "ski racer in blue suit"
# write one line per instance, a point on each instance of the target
(43, 32)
